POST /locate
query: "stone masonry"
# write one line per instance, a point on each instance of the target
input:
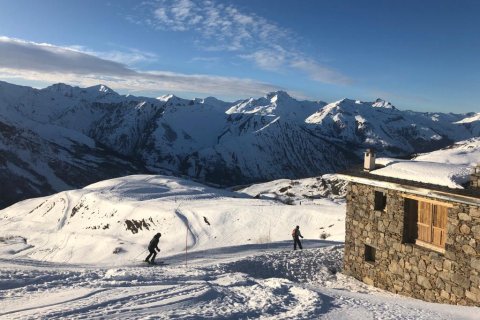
(409, 269)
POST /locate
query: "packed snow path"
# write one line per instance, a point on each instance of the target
(252, 281)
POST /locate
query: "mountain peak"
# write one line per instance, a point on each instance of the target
(59, 87)
(278, 95)
(101, 88)
(69, 90)
(166, 97)
(380, 103)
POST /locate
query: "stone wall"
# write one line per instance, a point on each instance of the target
(409, 269)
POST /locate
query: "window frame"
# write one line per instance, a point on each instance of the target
(432, 217)
(380, 200)
(369, 255)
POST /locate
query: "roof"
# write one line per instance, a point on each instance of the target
(437, 173)
(468, 195)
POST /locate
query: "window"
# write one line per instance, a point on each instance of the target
(369, 253)
(380, 200)
(410, 221)
(425, 223)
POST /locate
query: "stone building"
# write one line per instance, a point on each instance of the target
(415, 238)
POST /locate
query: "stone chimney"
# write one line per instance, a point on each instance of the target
(369, 163)
(475, 177)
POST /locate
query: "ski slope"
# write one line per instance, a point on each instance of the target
(240, 282)
(121, 215)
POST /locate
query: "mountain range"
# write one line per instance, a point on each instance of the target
(63, 137)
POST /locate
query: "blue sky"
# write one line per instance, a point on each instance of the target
(420, 55)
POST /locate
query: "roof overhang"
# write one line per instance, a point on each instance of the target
(441, 195)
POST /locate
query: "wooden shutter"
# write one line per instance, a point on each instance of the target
(439, 225)
(424, 223)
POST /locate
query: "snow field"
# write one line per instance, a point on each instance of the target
(229, 283)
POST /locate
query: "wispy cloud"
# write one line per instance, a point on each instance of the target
(224, 27)
(50, 63)
(129, 56)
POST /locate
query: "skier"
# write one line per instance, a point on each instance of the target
(152, 247)
(296, 235)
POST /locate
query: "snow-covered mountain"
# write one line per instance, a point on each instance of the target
(41, 153)
(67, 137)
(472, 123)
(384, 127)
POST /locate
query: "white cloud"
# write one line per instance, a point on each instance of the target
(50, 63)
(223, 27)
(43, 57)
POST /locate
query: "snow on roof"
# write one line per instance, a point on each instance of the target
(443, 174)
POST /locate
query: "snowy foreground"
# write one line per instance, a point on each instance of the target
(252, 281)
(78, 254)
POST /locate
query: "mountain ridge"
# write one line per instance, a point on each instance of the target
(225, 143)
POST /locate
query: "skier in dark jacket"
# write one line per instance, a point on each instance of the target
(296, 235)
(152, 247)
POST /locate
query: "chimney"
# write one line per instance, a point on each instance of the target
(369, 163)
(475, 177)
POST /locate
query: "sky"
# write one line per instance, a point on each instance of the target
(420, 55)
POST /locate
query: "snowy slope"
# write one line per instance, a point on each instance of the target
(121, 215)
(296, 191)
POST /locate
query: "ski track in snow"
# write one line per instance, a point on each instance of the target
(191, 232)
(228, 283)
